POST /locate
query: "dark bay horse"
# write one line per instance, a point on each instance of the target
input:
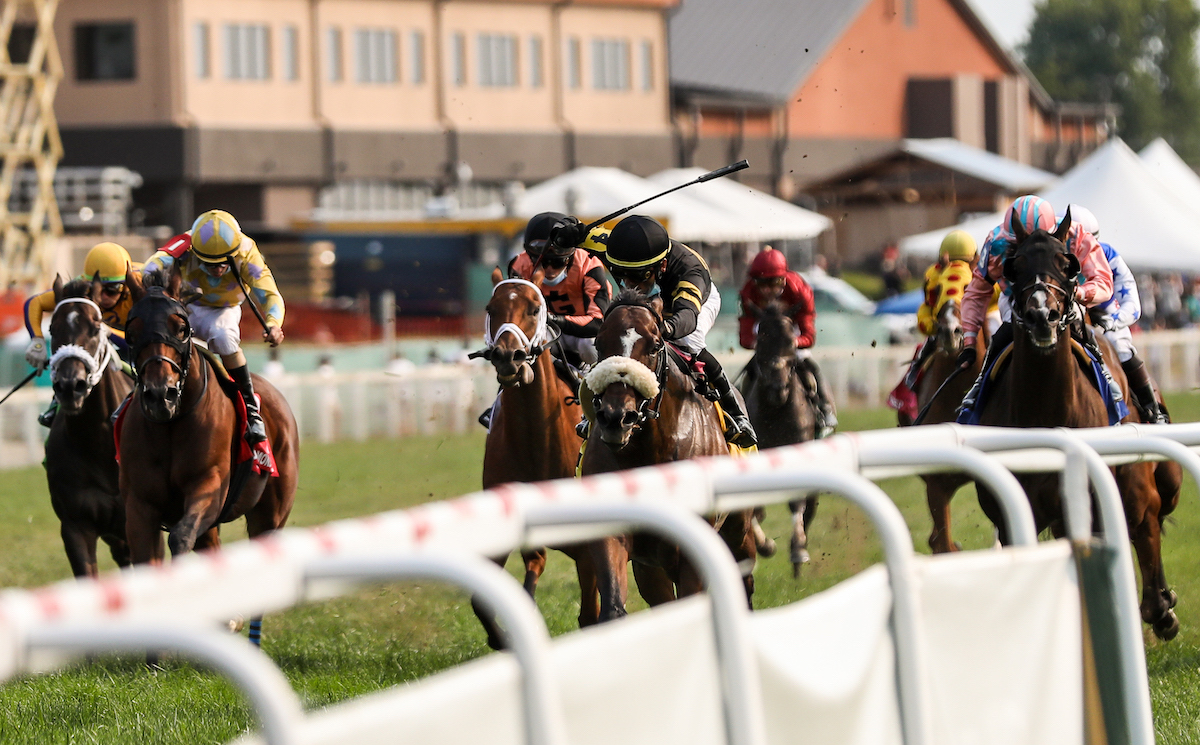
(779, 408)
(648, 411)
(1045, 386)
(532, 434)
(81, 463)
(177, 438)
(940, 488)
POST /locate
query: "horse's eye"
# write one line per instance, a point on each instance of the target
(533, 311)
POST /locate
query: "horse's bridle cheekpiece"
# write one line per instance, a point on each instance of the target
(154, 310)
(1066, 289)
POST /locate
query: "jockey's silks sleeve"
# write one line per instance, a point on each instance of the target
(686, 285)
(223, 291)
(925, 318)
(35, 308)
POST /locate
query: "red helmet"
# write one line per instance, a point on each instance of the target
(768, 264)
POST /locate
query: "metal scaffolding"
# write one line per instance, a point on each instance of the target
(29, 141)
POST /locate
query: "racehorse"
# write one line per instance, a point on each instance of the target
(81, 462)
(532, 434)
(647, 411)
(780, 410)
(939, 397)
(1045, 386)
(178, 438)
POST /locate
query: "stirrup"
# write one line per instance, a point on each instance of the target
(583, 429)
(256, 430)
(486, 419)
(46, 418)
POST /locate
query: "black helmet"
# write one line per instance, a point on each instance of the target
(638, 242)
(537, 235)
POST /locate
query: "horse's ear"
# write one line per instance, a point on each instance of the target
(497, 276)
(1064, 227)
(539, 276)
(97, 286)
(58, 285)
(133, 280)
(1018, 230)
(656, 303)
(1008, 269)
(1073, 266)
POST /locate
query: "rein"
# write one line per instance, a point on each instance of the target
(95, 364)
(1067, 293)
(156, 331)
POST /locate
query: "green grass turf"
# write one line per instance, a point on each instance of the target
(386, 635)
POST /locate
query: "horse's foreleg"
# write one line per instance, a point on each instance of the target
(80, 545)
(143, 532)
(610, 558)
(209, 539)
(487, 619)
(799, 544)
(656, 587)
(1141, 508)
(938, 497)
(589, 597)
(535, 564)
(119, 548)
(764, 543)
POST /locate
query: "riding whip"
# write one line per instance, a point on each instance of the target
(921, 415)
(18, 386)
(238, 276)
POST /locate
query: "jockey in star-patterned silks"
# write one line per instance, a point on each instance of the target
(1117, 314)
(1033, 213)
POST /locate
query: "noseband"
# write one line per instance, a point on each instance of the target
(1066, 291)
(543, 335)
(95, 364)
(154, 310)
(648, 406)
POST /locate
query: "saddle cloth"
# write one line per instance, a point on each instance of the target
(1114, 402)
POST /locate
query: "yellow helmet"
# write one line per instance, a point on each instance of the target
(958, 245)
(215, 236)
(109, 260)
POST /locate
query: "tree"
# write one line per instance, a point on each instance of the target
(1140, 54)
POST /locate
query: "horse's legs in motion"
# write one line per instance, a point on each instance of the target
(1136, 480)
(80, 545)
(938, 493)
(738, 534)
(610, 559)
(491, 625)
(143, 532)
(765, 544)
(119, 548)
(803, 512)
(656, 587)
(535, 564)
(589, 597)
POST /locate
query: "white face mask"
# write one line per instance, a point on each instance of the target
(557, 280)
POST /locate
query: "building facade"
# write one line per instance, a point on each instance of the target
(261, 106)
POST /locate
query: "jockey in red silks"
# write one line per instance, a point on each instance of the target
(770, 280)
(1034, 213)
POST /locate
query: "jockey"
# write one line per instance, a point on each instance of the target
(576, 290)
(1034, 213)
(643, 257)
(109, 263)
(1115, 317)
(206, 254)
(770, 280)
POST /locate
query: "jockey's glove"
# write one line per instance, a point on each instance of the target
(668, 328)
(35, 353)
(569, 233)
(967, 357)
(556, 319)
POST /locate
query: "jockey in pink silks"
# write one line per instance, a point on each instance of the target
(1033, 213)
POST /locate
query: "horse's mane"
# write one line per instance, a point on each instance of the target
(774, 337)
(77, 288)
(632, 298)
(155, 278)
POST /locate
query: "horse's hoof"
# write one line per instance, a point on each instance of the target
(800, 556)
(767, 548)
(956, 546)
(1171, 598)
(1167, 627)
(795, 570)
(236, 624)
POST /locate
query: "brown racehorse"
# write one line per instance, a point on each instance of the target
(81, 463)
(1045, 386)
(532, 434)
(940, 488)
(779, 408)
(647, 411)
(177, 437)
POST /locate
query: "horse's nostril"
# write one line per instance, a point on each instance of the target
(629, 419)
(518, 356)
(171, 394)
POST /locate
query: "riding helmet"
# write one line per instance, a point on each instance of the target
(638, 242)
(768, 264)
(537, 235)
(215, 236)
(1083, 217)
(958, 245)
(109, 260)
(1034, 213)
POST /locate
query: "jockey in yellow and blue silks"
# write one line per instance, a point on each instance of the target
(213, 256)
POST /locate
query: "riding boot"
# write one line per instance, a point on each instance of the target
(914, 368)
(1143, 390)
(256, 431)
(1001, 339)
(46, 418)
(826, 409)
(731, 402)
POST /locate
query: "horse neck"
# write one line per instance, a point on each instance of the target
(542, 407)
(199, 381)
(668, 437)
(1044, 385)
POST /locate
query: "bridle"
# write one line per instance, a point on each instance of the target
(1065, 290)
(648, 408)
(95, 364)
(153, 310)
(544, 334)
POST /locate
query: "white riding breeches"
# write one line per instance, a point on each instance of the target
(585, 348)
(1122, 343)
(694, 342)
(218, 327)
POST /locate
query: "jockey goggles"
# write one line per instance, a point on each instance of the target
(632, 275)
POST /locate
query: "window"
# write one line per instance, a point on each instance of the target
(574, 64)
(375, 55)
(418, 57)
(247, 51)
(20, 42)
(647, 66)
(291, 53)
(610, 65)
(104, 51)
(460, 59)
(535, 61)
(203, 54)
(497, 60)
(333, 40)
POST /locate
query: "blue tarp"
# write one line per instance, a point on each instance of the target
(907, 302)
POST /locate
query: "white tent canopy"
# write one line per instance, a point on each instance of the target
(770, 218)
(1151, 226)
(595, 192)
(1169, 168)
